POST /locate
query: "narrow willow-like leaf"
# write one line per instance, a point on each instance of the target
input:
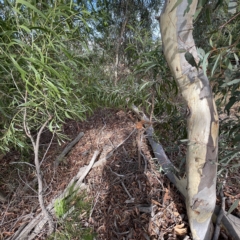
(235, 81)
(234, 206)
(31, 6)
(215, 64)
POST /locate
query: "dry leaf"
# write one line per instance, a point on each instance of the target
(139, 125)
(180, 230)
(176, 214)
(156, 203)
(166, 196)
(8, 233)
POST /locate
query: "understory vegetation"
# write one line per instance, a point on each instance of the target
(62, 60)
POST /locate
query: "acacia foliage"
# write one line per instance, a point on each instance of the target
(39, 66)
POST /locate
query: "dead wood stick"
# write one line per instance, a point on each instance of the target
(158, 151)
(37, 224)
(88, 167)
(68, 148)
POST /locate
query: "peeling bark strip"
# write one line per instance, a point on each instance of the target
(176, 32)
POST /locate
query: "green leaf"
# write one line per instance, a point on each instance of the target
(67, 115)
(228, 63)
(230, 39)
(201, 53)
(143, 86)
(215, 64)
(211, 42)
(236, 57)
(225, 161)
(25, 28)
(208, 16)
(150, 67)
(20, 69)
(205, 63)
(232, 100)
(198, 11)
(235, 81)
(234, 206)
(188, 7)
(29, 104)
(50, 126)
(190, 59)
(31, 6)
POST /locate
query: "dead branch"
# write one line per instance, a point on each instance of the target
(67, 149)
(159, 153)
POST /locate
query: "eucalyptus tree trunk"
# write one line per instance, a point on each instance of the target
(202, 120)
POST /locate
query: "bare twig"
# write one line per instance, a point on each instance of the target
(145, 162)
(100, 132)
(124, 187)
(95, 202)
(119, 175)
(229, 20)
(31, 165)
(35, 145)
(26, 184)
(4, 214)
(139, 145)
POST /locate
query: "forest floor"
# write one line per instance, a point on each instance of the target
(130, 198)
